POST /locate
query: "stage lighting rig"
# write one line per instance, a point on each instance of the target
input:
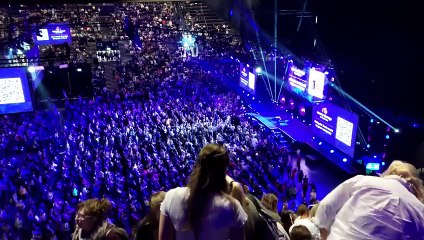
(258, 71)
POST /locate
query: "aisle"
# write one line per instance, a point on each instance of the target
(320, 172)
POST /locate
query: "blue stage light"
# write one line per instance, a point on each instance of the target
(387, 136)
(331, 151)
(344, 159)
(258, 70)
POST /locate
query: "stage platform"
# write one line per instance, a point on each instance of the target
(277, 119)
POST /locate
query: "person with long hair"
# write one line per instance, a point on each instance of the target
(203, 210)
(92, 222)
(368, 207)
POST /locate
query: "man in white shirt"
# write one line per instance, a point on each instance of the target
(304, 220)
(366, 207)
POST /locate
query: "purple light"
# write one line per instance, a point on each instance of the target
(302, 111)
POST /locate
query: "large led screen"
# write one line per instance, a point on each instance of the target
(308, 82)
(53, 33)
(316, 83)
(336, 126)
(15, 95)
(247, 79)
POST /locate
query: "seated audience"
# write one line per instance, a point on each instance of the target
(203, 210)
(368, 207)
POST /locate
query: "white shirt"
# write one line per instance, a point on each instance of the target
(222, 214)
(366, 207)
(313, 229)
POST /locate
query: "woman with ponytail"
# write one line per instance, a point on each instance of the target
(367, 207)
(92, 222)
(203, 210)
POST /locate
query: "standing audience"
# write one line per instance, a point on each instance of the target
(92, 222)
(203, 209)
(305, 220)
(368, 207)
(148, 228)
(300, 232)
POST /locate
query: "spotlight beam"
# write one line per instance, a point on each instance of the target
(255, 27)
(275, 46)
(303, 14)
(264, 63)
(281, 86)
(363, 107)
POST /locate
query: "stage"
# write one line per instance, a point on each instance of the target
(278, 119)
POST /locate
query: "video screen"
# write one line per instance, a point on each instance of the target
(53, 33)
(298, 80)
(308, 81)
(108, 51)
(336, 126)
(316, 83)
(247, 79)
(15, 95)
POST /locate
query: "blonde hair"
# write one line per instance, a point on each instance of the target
(270, 202)
(154, 214)
(237, 192)
(156, 199)
(409, 173)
